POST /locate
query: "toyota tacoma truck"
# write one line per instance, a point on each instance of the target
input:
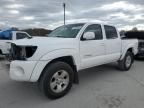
(54, 61)
(9, 35)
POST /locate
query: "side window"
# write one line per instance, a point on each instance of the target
(96, 28)
(111, 32)
(21, 35)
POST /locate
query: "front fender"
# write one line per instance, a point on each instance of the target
(61, 53)
(47, 58)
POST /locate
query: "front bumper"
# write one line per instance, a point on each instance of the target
(21, 70)
(3, 50)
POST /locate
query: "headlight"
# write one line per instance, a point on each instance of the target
(21, 52)
(30, 50)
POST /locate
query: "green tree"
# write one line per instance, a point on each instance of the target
(135, 29)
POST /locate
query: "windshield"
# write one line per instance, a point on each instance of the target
(66, 31)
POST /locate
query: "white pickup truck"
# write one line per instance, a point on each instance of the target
(8, 36)
(54, 61)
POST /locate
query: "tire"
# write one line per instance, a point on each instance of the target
(137, 57)
(126, 63)
(57, 80)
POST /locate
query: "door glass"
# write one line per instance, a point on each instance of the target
(111, 32)
(21, 35)
(96, 28)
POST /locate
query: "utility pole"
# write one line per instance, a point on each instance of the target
(64, 5)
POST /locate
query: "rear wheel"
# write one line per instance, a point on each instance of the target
(57, 80)
(126, 63)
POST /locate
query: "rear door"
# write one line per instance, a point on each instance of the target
(113, 43)
(92, 51)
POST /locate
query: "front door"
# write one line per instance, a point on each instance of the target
(92, 51)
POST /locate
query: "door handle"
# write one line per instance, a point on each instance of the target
(89, 55)
(102, 44)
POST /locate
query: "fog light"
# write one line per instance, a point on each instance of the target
(18, 71)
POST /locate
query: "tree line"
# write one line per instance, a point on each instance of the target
(37, 31)
(134, 33)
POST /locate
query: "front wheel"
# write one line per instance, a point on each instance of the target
(57, 80)
(126, 63)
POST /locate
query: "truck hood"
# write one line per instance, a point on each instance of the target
(38, 41)
(46, 45)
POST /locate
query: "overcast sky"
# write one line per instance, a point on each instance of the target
(49, 13)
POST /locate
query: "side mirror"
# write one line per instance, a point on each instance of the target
(89, 36)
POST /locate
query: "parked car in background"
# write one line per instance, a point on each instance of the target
(136, 35)
(7, 36)
(54, 61)
(140, 48)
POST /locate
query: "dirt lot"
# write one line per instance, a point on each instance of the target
(100, 87)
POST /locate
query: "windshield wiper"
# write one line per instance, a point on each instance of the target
(29, 37)
(58, 36)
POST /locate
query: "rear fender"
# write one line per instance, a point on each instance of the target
(134, 51)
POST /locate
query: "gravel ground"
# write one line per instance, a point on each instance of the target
(100, 87)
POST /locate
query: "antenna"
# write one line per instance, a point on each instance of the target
(64, 5)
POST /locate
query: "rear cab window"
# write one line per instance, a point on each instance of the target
(111, 32)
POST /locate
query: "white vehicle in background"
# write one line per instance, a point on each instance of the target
(54, 61)
(9, 36)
